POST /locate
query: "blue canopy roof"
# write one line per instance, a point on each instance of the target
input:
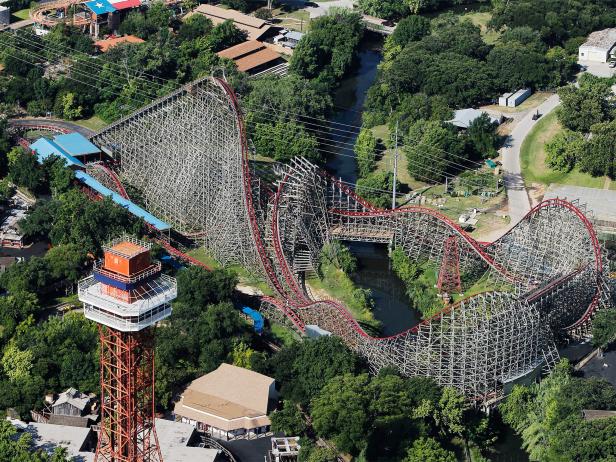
(100, 6)
(128, 205)
(45, 148)
(76, 144)
(256, 317)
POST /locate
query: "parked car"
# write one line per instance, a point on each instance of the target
(612, 64)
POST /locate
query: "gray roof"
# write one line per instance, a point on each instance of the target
(604, 39)
(294, 35)
(74, 398)
(601, 202)
(464, 117)
(173, 438)
(49, 436)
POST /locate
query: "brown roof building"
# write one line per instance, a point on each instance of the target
(104, 45)
(228, 403)
(254, 27)
(251, 56)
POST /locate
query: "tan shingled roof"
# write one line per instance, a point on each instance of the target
(256, 59)
(238, 51)
(228, 398)
(237, 385)
(254, 27)
(236, 16)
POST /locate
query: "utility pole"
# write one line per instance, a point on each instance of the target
(393, 193)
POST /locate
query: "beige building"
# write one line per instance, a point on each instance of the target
(228, 403)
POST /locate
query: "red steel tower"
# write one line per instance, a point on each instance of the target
(126, 295)
(449, 273)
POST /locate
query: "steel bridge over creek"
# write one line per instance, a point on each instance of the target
(188, 155)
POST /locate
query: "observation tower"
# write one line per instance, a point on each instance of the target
(126, 295)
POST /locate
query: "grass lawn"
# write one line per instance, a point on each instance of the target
(296, 20)
(21, 14)
(532, 158)
(93, 123)
(481, 19)
(338, 285)
(204, 257)
(283, 335)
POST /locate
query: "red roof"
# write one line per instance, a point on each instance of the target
(124, 4)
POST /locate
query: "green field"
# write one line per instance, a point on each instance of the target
(532, 158)
(21, 14)
(93, 123)
(296, 20)
(481, 19)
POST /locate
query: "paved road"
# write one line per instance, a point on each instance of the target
(519, 203)
(60, 124)
(319, 8)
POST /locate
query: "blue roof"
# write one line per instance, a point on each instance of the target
(128, 205)
(76, 144)
(45, 148)
(100, 6)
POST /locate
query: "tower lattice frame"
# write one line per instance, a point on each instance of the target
(127, 431)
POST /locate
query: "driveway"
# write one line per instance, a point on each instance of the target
(318, 8)
(519, 203)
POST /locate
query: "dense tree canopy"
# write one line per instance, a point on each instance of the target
(327, 51)
(549, 419)
(303, 370)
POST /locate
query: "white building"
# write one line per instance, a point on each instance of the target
(599, 46)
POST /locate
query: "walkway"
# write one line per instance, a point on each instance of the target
(62, 126)
(519, 203)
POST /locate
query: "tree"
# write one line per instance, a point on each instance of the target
(16, 363)
(287, 99)
(428, 450)
(288, 420)
(564, 150)
(303, 370)
(549, 419)
(376, 188)
(70, 110)
(225, 35)
(24, 170)
(365, 149)
(411, 29)
(341, 256)
(263, 13)
(39, 221)
(339, 412)
(66, 262)
(451, 411)
(604, 328)
(284, 141)
(483, 138)
(195, 26)
(385, 9)
(327, 51)
(198, 287)
(242, 355)
(600, 157)
(583, 107)
(432, 150)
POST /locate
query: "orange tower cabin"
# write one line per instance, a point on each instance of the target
(126, 296)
